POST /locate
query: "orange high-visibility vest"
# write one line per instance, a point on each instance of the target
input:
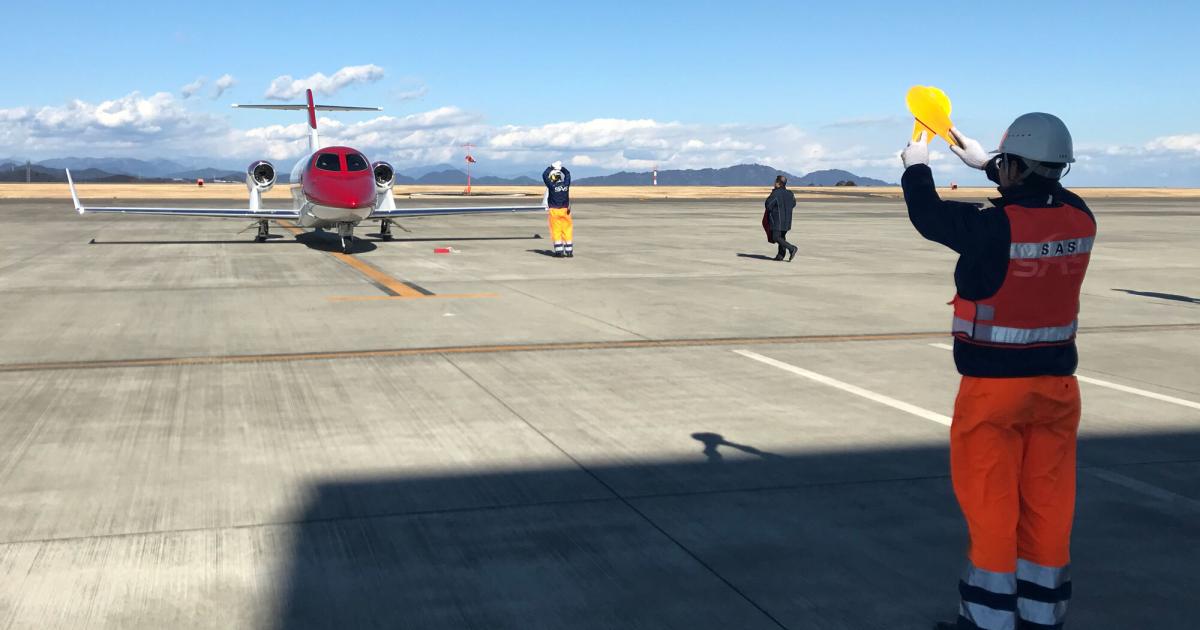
(1038, 302)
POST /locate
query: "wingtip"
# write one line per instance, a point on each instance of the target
(74, 193)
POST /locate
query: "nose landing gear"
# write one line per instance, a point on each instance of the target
(346, 234)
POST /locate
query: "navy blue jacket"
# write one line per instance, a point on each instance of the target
(779, 207)
(560, 193)
(982, 238)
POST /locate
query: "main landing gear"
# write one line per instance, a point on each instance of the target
(264, 232)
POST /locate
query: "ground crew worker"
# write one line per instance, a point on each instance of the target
(778, 218)
(1012, 440)
(558, 206)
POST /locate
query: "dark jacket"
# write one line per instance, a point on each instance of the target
(560, 193)
(982, 238)
(779, 206)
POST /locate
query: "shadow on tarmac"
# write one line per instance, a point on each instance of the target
(1161, 296)
(838, 540)
(713, 440)
(758, 257)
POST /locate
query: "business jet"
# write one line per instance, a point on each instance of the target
(332, 188)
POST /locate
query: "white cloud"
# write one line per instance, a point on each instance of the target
(222, 84)
(1188, 143)
(132, 122)
(286, 88)
(189, 90)
(163, 124)
(411, 95)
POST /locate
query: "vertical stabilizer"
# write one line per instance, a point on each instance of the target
(314, 141)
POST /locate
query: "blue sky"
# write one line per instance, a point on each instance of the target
(607, 86)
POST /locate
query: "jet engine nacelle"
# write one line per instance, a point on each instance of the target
(385, 175)
(260, 176)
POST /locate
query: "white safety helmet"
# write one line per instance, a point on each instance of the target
(1039, 138)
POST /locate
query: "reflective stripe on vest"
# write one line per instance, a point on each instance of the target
(1038, 301)
(1017, 336)
(1069, 247)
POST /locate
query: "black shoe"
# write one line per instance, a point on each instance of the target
(558, 254)
(570, 254)
(792, 254)
(778, 258)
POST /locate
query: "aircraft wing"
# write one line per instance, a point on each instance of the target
(233, 213)
(437, 212)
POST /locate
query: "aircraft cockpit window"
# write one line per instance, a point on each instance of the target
(329, 162)
(356, 162)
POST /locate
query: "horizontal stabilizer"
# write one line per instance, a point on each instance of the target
(320, 108)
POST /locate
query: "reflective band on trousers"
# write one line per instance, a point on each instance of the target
(1044, 613)
(1007, 334)
(1050, 249)
(987, 618)
(1049, 577)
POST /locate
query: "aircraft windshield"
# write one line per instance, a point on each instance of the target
(329, 162)
(356, 162)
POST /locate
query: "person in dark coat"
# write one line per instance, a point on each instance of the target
(778, 218)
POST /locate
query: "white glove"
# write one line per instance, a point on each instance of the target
(557, 165)
(917, 151)
(969, 151)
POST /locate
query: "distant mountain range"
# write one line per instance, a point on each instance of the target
(111, 170)
(740, 175)
(129, 169)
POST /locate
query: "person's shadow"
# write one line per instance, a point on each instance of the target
(757, 257)
(1162, 296)
(712, 440)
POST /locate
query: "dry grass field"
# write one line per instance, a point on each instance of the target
(237, 191)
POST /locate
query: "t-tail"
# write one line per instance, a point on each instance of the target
(314, 141)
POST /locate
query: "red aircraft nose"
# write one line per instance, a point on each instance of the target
(340, 190)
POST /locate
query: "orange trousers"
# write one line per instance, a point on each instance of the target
(1012, 460)
(562, 228)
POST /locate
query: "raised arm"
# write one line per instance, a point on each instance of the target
(960, 226)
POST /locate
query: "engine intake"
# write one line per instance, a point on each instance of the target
(260, 176)
(385, 175)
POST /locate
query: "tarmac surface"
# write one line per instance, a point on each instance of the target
(667, 431)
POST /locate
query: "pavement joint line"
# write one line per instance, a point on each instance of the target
(573, 311)
(623, 500)
(1120, 388)
(1108, 475)
(526, 505)
(485, 508)
(626, 344)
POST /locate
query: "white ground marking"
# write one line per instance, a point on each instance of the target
(1139, 392)
(1121, 388)
(1107, 475)
(847, 387)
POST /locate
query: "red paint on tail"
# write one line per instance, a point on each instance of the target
(312, 111)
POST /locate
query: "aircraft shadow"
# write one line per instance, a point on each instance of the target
(329, 242)
(1162, 296)
(732, 537)
(274, 239)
